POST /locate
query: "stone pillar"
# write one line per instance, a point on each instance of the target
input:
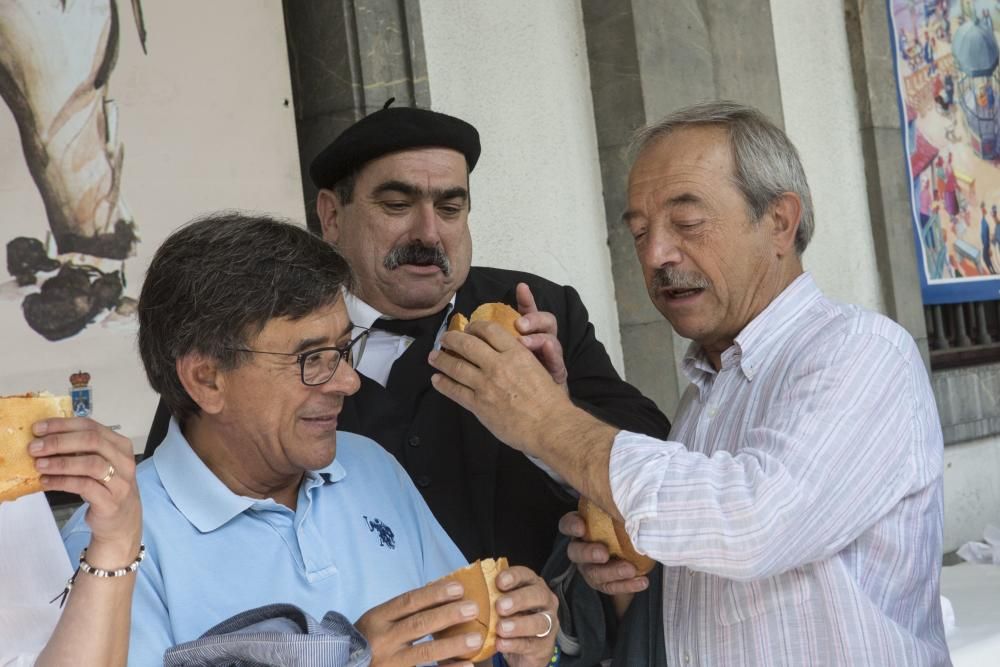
(347, 57)
(868, 36)
(648, 58)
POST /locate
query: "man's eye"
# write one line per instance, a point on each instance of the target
(450, 210)
(688, 224)
(314, 360)
(396, 205)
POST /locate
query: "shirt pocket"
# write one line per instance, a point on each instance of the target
(742, 601)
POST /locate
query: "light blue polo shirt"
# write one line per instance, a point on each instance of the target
(361, 534)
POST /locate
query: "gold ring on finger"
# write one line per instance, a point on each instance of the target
(108, 475)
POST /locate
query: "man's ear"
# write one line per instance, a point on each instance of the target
(786, 212)
(203, 381)
(328, 210)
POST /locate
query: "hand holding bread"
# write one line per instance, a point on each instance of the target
(497, 378)
(392, 627)
(611, 533)
(42, 447)
(529, 618)
(472, 613)
(517, 613)
(613, 576)
(538, 330)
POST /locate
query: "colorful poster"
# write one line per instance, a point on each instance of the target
(119, 121)
(946, 57)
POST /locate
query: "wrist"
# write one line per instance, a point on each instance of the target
(577, 445)
(112, 554)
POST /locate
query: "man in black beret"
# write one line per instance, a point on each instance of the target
(394, 198)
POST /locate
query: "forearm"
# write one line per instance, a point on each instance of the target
(94, 628)
(577, 446)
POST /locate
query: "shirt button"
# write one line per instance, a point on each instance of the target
(687, 658)
(423, 481)
(414, 441)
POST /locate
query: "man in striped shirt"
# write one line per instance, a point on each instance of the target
(797, 505)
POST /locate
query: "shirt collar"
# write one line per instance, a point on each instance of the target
(363, 315)
(201, 496)
(765, 331)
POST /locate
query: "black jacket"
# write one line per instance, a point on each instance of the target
(591, 633)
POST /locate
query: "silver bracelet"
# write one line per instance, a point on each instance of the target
(87, 568)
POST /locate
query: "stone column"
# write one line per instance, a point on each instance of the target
(648, 58)
(868, 36)
(347, 58)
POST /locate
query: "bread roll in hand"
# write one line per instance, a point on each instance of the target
(479, 582)
(602, 528)
(500, 313)
(18, 475)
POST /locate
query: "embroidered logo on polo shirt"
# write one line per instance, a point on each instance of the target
(384, 532)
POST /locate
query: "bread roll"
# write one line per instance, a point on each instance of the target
(479, 582)
(500, 313)
(18, 476)
(602, 528)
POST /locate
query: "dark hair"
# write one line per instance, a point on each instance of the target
(765, 162)
(217, 281)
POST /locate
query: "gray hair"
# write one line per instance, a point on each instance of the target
(765, 162)
(216, 282)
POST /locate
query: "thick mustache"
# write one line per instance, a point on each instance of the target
(418, 253)
(671, 278)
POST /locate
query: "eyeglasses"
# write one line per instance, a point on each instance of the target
(319, 365)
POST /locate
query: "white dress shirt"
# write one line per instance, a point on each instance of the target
(382, 348)
(33, 570)
(797, 506)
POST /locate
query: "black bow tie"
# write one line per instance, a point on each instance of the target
(422, 326)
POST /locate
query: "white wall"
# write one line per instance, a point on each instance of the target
(517, 70)
(821, 118)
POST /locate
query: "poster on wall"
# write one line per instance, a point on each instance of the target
(119, 121)
(946, 56)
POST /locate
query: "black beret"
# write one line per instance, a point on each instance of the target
(389, 130)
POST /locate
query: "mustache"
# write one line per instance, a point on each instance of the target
(419, 254)
(671, 278)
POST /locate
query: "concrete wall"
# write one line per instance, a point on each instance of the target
(971, 490)
(517, 70)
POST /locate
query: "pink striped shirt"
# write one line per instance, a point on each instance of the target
(797, 507)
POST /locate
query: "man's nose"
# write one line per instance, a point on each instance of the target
(345, 380)
(662, 248)
(425, 224)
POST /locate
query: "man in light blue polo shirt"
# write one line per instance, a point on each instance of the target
(242, 330)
